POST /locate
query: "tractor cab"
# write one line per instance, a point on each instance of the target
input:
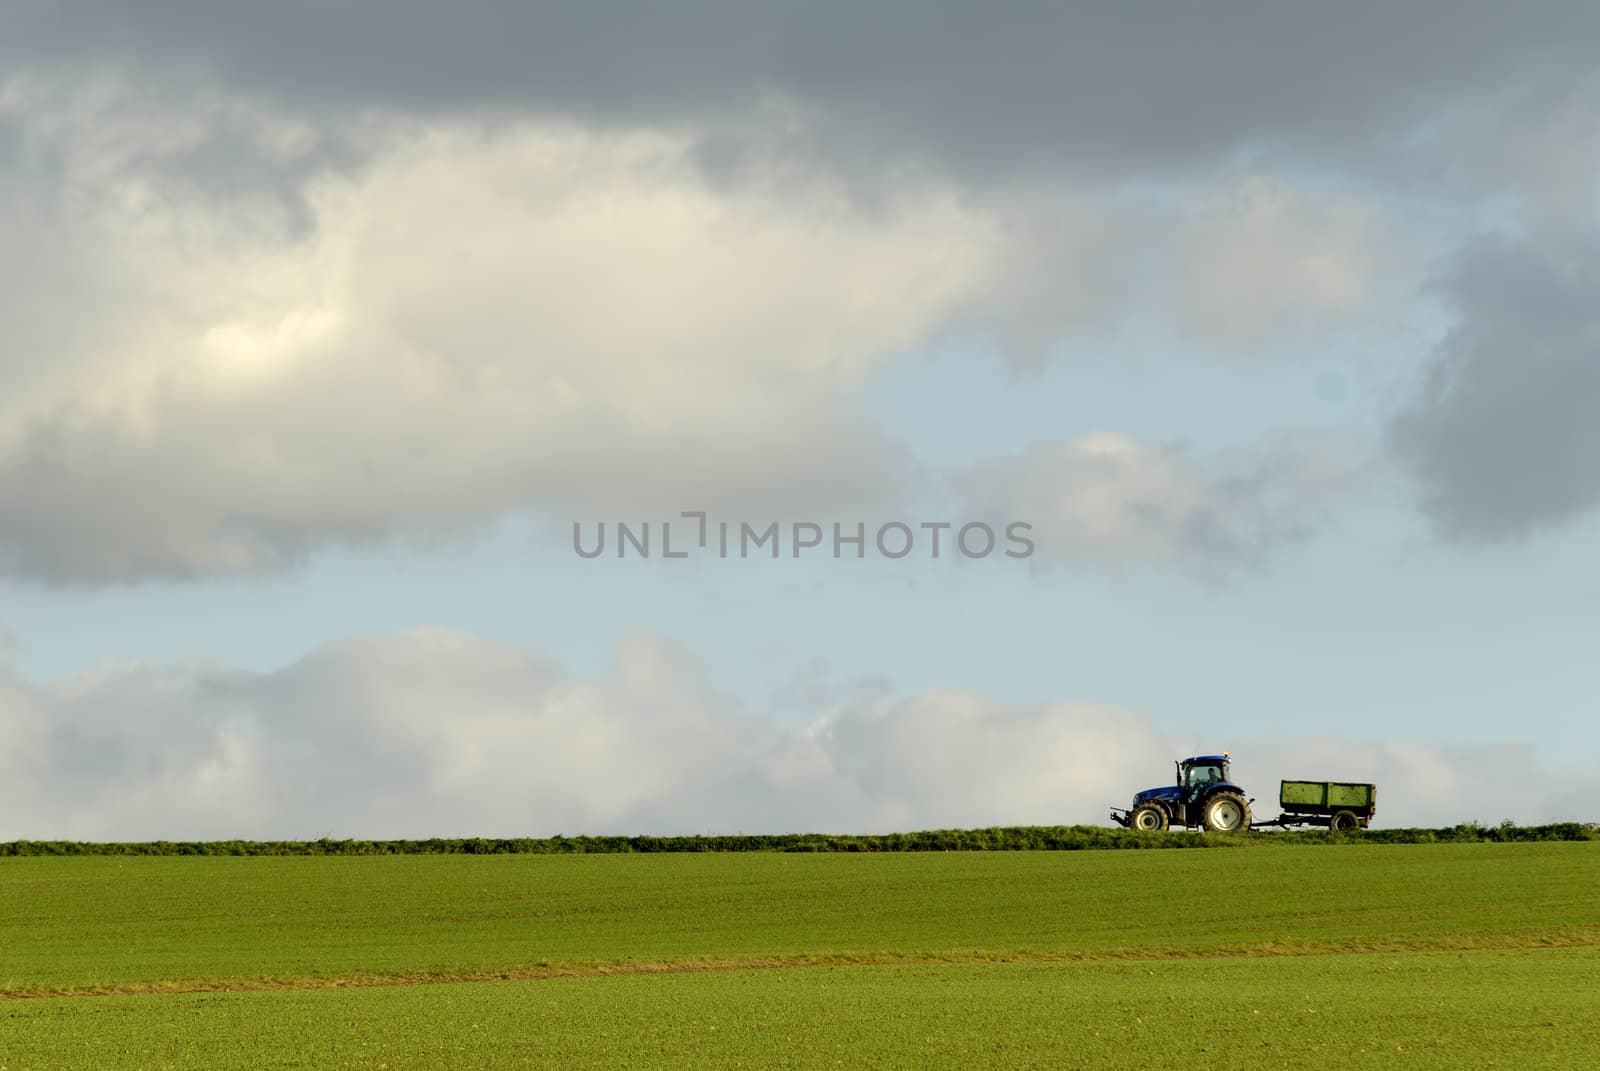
(1197, 776)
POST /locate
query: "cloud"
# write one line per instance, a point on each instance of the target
(437, 732)
(477, 318)
(1501, 438)
(1260, 258)
(1119, 502)
(1423, 782)
(1048, 87)
(419, 326)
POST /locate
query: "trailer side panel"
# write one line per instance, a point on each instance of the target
(1349, 796)
(1325, 797)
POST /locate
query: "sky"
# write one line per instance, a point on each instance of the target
(1264, 340)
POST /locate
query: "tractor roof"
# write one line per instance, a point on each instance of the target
(1203, 759)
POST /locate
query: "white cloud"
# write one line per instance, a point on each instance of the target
(436, 732)
(1425, 782)
(235, 335)
(477, 317)
(1261, 258)
(1121, 502)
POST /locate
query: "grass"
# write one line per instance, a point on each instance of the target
(1415, 1010)
(805, 960)
(88, 922)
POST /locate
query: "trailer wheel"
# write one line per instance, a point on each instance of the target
(1226, 812)
(1343, 822)
(1148, 818)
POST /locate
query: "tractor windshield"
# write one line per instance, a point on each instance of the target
(1202, 774)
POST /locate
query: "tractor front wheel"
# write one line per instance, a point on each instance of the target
(1226, 812)
(1343, 822)
(1148, 818)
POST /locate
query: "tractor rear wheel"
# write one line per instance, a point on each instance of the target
(1226, 812)
(1148, 818)
(1343, 822)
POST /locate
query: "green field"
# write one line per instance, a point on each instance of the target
(1442, 955)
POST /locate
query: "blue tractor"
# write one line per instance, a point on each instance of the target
(1203, 797)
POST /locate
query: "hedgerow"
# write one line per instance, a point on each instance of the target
(1007, 838)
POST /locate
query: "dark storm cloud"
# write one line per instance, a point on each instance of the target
(972, 88)
(1504, 436)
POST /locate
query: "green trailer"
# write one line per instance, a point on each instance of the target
(1339, 805)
